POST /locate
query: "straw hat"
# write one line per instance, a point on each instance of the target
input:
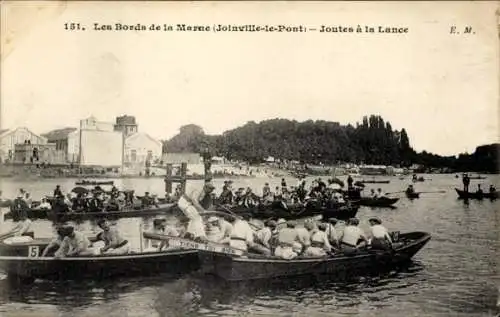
(375, 220)
(212, 219)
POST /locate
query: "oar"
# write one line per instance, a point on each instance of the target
(403, 191)
(434, 192)
(237, 216)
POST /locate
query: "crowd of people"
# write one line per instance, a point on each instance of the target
(284, 239)
(94, 200)
(288, 195)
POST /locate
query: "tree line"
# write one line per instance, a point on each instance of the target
(372, 141)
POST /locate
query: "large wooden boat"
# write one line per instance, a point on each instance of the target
(236, 265)
(292, 212)
(376, 202)
(48, 214)
(24, 261)
(475, 195)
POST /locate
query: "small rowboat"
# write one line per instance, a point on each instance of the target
(412, 195)
(376, 202)
(468, 195)
(94, 183)
(375, 181)
(24, 262)
(75, 216)
(232, 266)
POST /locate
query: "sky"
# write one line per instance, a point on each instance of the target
(442, 88)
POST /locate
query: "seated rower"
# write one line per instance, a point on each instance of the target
(380, 194)
(95, 204)
(79, 204)
(114, 243)
(492, 189)
(56, 243)
(331, 232)
(242, 234)
(44, 205)
(479, 190)
(287, 242)
(373, 194)
(319, 242)
(381, 240)
(74, 244)
(410, 189)
(226, 230)
(264, 235)
(213, 230)
(353, 237)
(23, 224)
(304, 237)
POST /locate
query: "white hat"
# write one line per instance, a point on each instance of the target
(280, 221)
(213, 219)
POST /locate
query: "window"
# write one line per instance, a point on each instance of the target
(133, 155)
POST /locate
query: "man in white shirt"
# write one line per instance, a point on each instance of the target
(381, 240)
(242, 234)
(353, 237)
(44, 204)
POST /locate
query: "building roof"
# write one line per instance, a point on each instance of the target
(58, 134)
(137, 134)
(6, 132)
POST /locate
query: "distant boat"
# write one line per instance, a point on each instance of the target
(375, 181)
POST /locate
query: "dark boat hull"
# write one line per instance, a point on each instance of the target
(100, 267)
(238, 268)
(468, 195)
(412, 195)
(377, 202)
(375, 182)
(94, 183)
(76, 216)
(341, 213)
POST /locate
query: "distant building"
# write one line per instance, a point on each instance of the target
(126, 124)
(96, 143)
(38, 153)
(9, 139)
(140, 148)
(60, 138)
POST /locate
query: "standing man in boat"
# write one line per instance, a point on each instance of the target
(466, 182)
(202, 199)
(479, 190)
(381, 240)
(349, 182)
(58, 192)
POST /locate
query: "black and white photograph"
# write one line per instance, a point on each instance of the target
(248, 158)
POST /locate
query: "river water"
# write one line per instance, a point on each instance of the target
(455, 274)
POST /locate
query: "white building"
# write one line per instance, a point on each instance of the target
(140, 147)
(9, 138)
(96, 143)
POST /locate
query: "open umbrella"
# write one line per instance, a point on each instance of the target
(80, 190)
